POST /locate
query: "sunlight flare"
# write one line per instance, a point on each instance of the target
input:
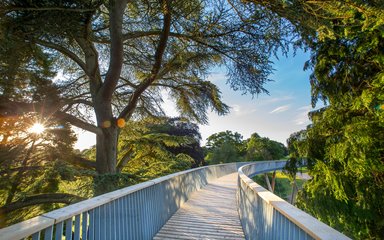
(37, 128)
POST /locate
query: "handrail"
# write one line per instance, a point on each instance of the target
(264, 215)
(139, 211)
(135, 212)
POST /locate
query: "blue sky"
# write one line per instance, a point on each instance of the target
(276, 116)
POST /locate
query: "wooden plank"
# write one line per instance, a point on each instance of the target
(210, 213)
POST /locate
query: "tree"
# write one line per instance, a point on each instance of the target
(344, 145)
(34, 165)
(225, 147)
(262, 148)
(117, 57)
(182, 128)
(157, 147)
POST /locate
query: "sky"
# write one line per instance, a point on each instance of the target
(276, 116)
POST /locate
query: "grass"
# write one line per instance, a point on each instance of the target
(283, 187)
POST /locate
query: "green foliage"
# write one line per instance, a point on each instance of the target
(225, 147)
(153, 152)
(217, 139)
(225, 153)
(33, 165)
(262, 148)
(344, 146)
(152, 148)
(283, 184)
(117, 58)
(179, 127)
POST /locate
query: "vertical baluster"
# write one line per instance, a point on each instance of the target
(106, 220)
(68, 229)
(96, 217)
(84, 226)
(59, 231)
(121, 220)
(290, 230)
(297, 232)
(48, 233)
(77, 228)
(301, 235)
(113, 228)
(127, 213)
(92, 224)
(274, 224)
(140, 211)
(155, 211)
(280, 224)
(148, 213)
(122, 213)
(133, 219)
(36, 236)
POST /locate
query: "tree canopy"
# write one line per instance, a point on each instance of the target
(228, 146)
(115, 59)
(344, 145)
(64, 61)
(262, 148)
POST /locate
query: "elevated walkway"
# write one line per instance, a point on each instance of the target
(212, 202)
(210, 213)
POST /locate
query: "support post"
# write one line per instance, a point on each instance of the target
(273, 181)
(268, 183)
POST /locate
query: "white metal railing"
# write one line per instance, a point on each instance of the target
(136, 212)
(139, 211)
(264, 215)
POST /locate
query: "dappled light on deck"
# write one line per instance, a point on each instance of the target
(210, 213)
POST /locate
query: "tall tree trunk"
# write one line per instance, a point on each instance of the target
(106, 150)
(106, 161)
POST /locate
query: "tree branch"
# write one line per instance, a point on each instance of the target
(70, 103)
(63, 51)
(12, 9)
(78, 123)
(124, 160)
(26, 168)
(40, 199)
(128, 110)
(82, 162)
(91, 65)
(116, 54)
(8, 107)
(139, 34)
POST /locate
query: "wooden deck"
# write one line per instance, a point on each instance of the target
(209, 214)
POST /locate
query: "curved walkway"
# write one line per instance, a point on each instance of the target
(210, 213)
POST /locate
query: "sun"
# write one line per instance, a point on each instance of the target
(37, 128)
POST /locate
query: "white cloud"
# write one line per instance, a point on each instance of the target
(305, 108)
(278, 99)
(302, 116)
(280, 109)
(239, 110)
(236, 108)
